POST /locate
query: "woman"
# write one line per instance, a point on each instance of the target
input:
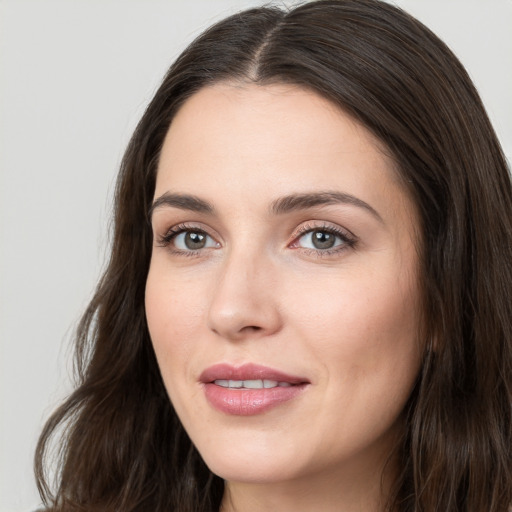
(306, 306)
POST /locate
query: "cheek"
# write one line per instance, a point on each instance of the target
(362, 327)
(363, 334)
(355, 303)
(174, 315)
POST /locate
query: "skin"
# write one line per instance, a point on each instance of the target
(259, 291)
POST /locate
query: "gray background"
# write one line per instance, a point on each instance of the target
(75, 76)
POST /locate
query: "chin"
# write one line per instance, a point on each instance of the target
(249, 471)
(252, 463)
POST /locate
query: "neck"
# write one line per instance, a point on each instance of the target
(361, 489)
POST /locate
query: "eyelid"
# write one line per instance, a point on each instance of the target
(314, 225)
(348, 238)
(171, 233)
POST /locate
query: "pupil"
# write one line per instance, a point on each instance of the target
(323, 240)
(194, 240)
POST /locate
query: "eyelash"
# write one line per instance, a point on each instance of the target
(172, 233)
(349, 240)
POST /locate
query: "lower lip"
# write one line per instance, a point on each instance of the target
(248, 402)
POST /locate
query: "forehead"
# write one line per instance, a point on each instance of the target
(265, 124)
(257, 114)
(252, 142)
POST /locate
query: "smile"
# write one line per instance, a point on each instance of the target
(249, 389)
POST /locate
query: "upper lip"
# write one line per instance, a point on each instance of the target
(248, 371)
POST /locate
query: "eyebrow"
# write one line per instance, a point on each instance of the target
(310, 200)
(280, 206)
(181, 201)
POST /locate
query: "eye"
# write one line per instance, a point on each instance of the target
(193, 240)
(320, 239)
(185, 239)
(324, 240)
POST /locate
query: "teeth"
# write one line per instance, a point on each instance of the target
(251, 384)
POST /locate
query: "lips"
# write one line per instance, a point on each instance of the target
(249, 389)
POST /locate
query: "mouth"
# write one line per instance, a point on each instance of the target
(249, 389)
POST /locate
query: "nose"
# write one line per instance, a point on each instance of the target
(244, 302)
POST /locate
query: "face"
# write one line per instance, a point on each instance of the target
(282, 297)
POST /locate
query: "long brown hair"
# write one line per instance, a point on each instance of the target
(120, 444)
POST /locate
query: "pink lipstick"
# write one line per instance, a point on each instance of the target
(249, 389)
